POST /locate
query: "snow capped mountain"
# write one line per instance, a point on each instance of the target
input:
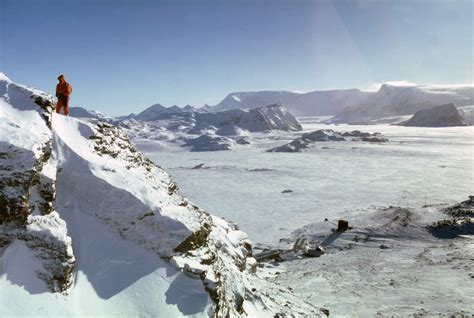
(249, 100)
(300, 104)
(81, 112)
(84, 214)
(271, 117)
(354, 104)
(405, 100)
(157, 111)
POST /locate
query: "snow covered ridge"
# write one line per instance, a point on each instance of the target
(88, 171)
(27, 183)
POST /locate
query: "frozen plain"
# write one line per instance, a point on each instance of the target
(417, 166)
(401, 270)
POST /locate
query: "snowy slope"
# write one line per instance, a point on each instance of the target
(112, 230)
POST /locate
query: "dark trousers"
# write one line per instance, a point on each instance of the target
(63, 102)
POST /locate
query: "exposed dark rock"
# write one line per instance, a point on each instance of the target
(452, 228)
(440, 116)
(324, 135)
(243, 141)
(463, 209)
(268, 255)
(374, 139)
(314, 251)
(459, 223)
(209, 143)
(195, 240)
(342, 225)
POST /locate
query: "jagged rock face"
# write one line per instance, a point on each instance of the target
(27, 189)
(22, 166)
(440, 116)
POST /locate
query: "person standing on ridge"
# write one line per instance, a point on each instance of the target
(63, 90)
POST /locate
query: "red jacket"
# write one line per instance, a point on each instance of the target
(63, 88)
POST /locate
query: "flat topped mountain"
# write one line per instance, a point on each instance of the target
(352, 105)
(440, 116)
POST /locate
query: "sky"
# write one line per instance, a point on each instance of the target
(122, 56)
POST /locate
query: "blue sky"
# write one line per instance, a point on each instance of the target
(122, 56)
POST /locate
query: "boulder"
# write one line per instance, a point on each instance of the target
(342, 225)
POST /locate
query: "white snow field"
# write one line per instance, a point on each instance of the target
(416, 166)
(389, 265)
(114, 225)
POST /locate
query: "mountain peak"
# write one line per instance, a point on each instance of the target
(4, 77)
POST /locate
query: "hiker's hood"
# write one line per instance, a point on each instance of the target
(61, 78)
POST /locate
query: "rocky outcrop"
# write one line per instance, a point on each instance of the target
(209, 143)
(459, 220)
(27, 184)
(440, 116)
(307, 139)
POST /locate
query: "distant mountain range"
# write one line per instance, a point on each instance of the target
(353, 104)
(347, 105)
(271, 117)
(300, 104)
